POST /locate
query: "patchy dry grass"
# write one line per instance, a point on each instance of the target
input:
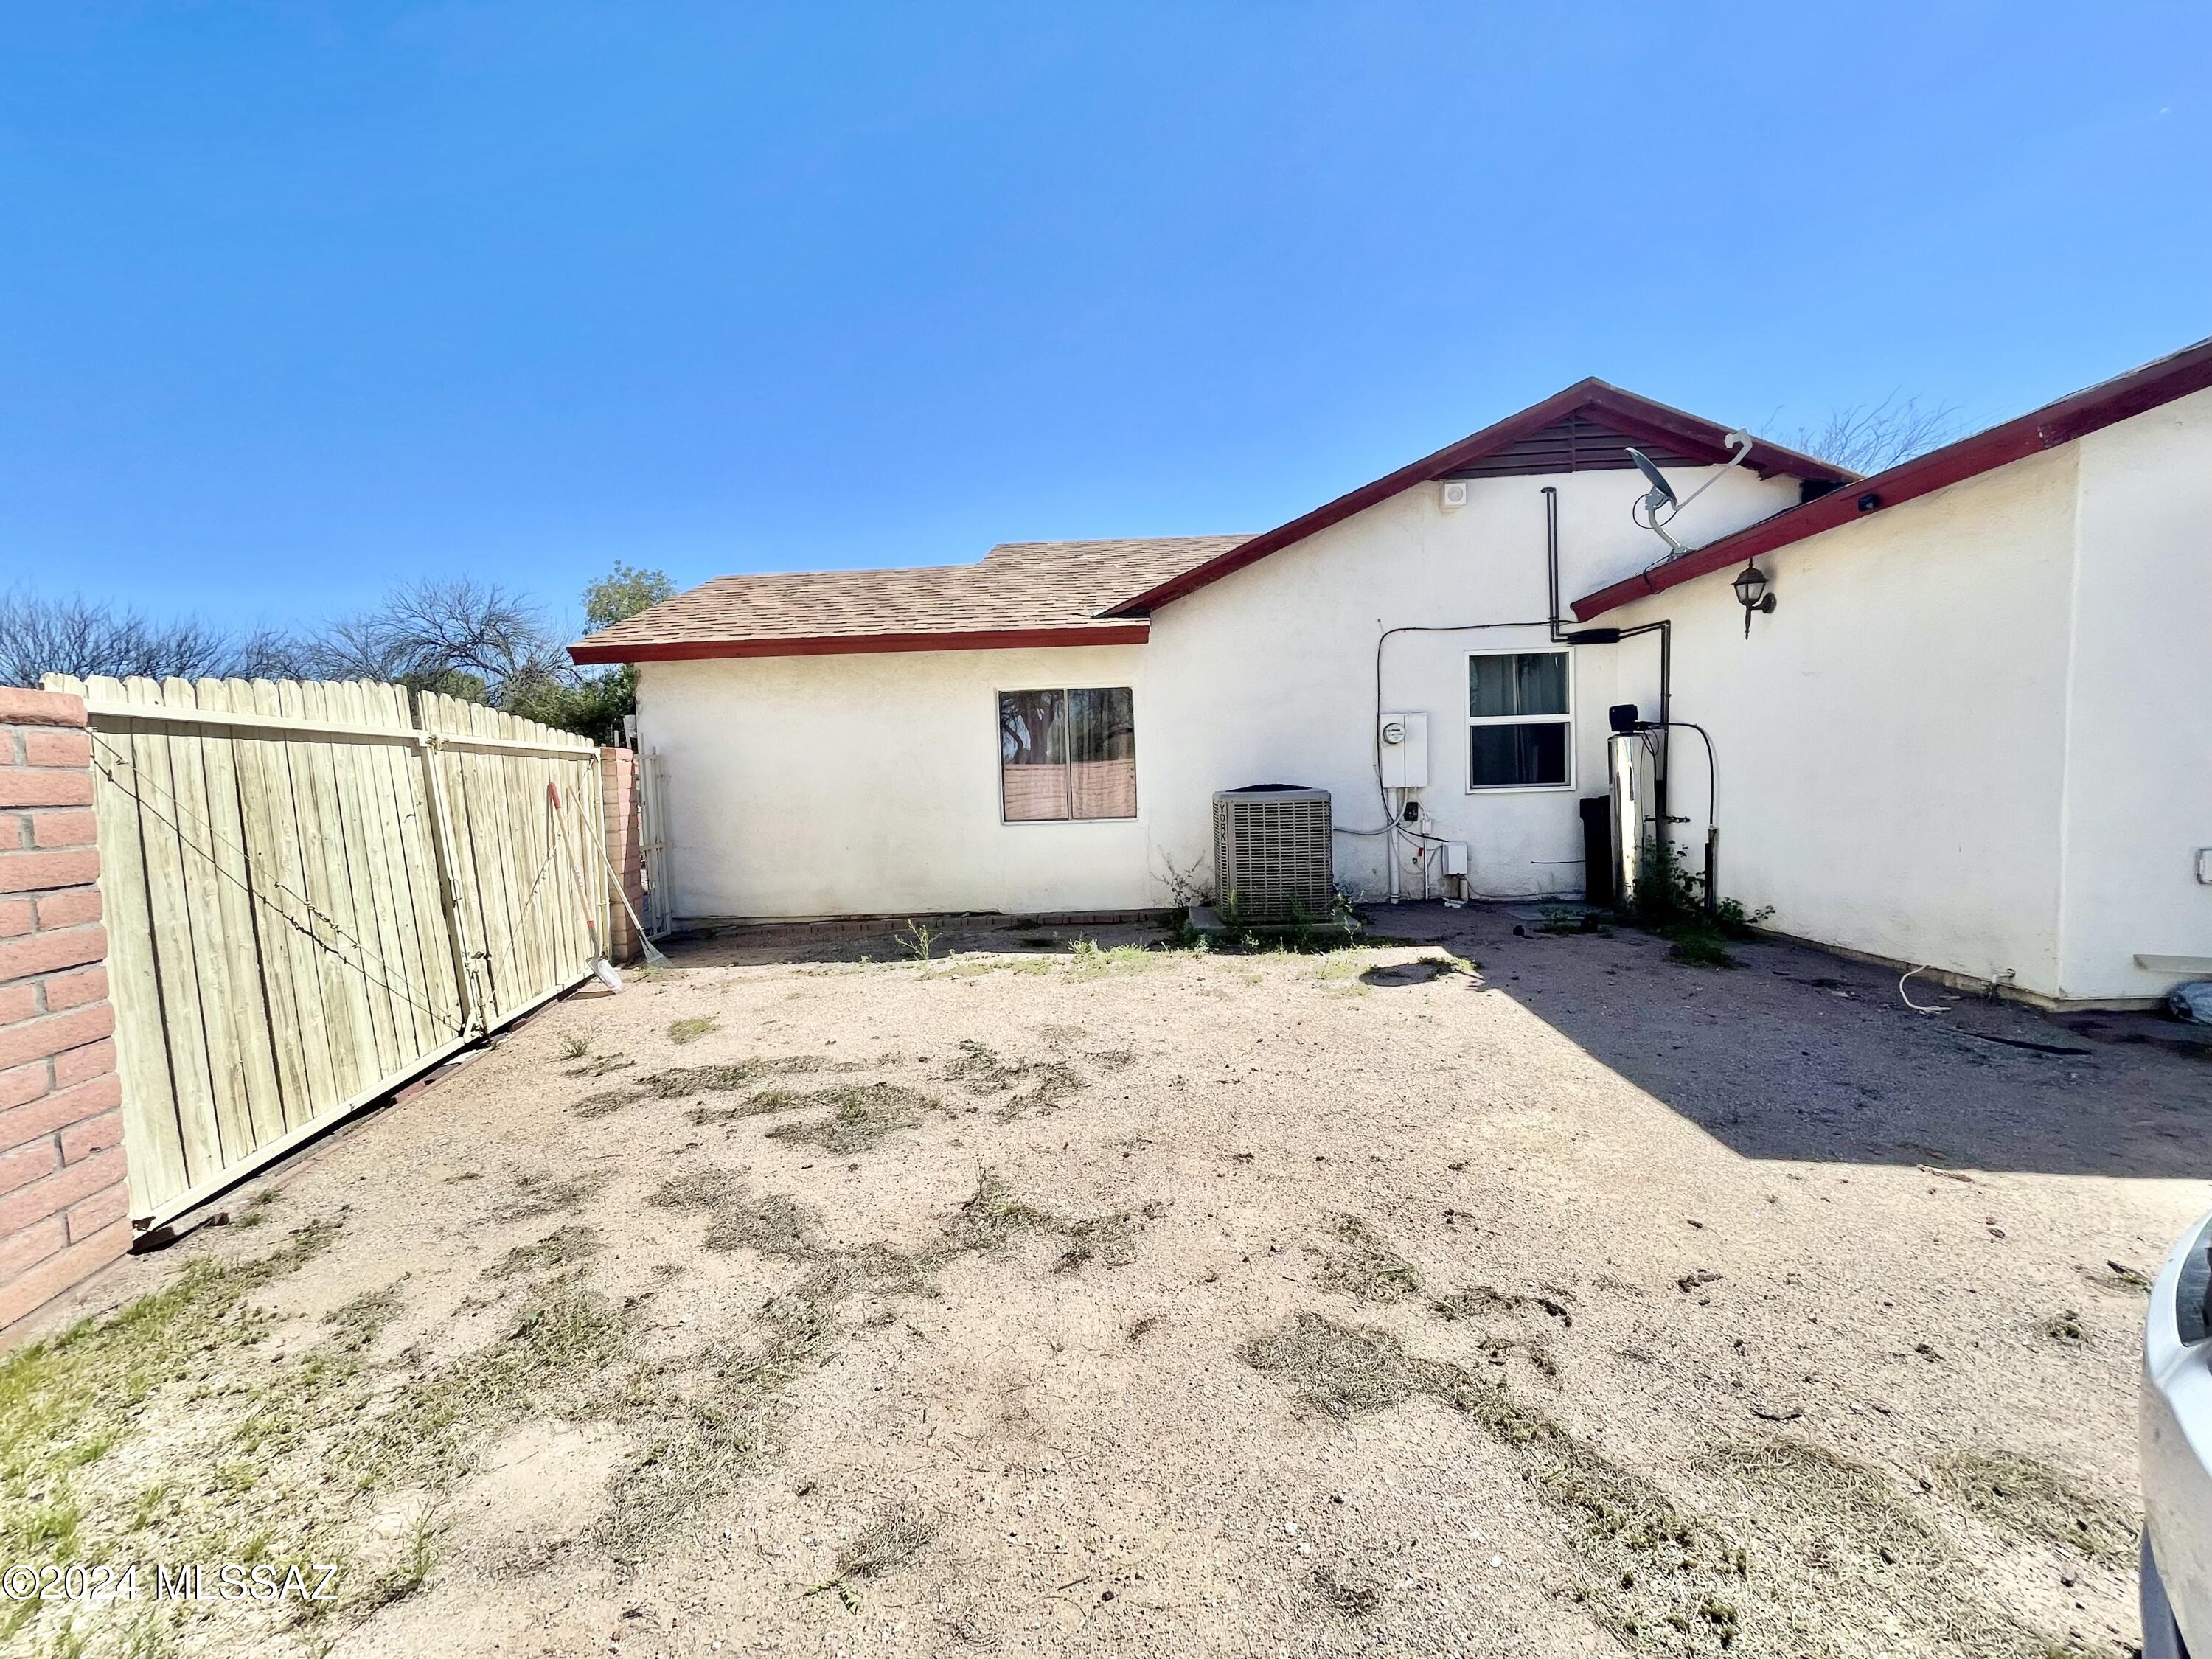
(1027, 1085)
(755, 1415)
(1477, 1301)
(776, 1227)
(714, 1418)
(256, 1422)
(1345, 1371)
(561, 1247)
(548, 1361)
(601, 1066)
(742, 1074)
(2026, 1501)
(889, 1542)
(542, 1192)
(1358, 1601)
(861, 1118)
(692, 1029)
(990, 1217)
(1110, 1240)
(1833, 1533)
(1366, 1269)
(1654, 1567)
(65, 1403)
(1092, 960)
(605, 1103)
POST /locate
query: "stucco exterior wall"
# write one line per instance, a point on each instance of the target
(2138, 797)
(1281, 658)
(868, 784)
(1971, 736)
(1890, 740)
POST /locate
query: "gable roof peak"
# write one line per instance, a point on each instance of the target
(1545, 437)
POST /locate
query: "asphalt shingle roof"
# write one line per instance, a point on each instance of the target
(1019, 588)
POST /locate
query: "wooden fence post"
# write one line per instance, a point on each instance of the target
(449, 882)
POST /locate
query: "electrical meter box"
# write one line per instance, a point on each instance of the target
(1405, 740)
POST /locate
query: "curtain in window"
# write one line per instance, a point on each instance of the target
(1527, 682)
(1520, 693)
(1102, 753)
(1032, 755)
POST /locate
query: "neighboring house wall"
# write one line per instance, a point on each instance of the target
(864, 784)
(1890, 741)
(64, 1202)
(2138, 801)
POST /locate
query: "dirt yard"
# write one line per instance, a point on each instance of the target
(1491, 1294)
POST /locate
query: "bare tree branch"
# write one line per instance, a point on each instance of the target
(71, 635)
(1869, 437)
(475, 639)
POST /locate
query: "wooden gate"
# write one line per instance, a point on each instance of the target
(311, 897)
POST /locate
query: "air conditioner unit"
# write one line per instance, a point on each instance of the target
(1273, 852)
(1455, 493)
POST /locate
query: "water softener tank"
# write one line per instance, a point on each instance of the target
(1625, 753)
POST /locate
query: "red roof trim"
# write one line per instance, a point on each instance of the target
(1684, 431)
(836, 645)
(2074, 416)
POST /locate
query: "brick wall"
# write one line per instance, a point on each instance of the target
(625, 850)
(64, 1205)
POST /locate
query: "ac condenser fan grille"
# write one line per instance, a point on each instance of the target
(1272, 853)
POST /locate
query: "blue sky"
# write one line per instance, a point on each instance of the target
(297, 300)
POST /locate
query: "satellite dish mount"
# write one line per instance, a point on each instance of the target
(1659, 506)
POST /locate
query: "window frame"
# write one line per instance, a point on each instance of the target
(1565, 719)
(1067, 694)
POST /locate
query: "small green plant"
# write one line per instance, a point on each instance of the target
(917, 942)
(691, 1029)
(1670, 901)
(574, 1047)
(890, 1543)
(1561, 923)
(1091, 958)
(1700, 949)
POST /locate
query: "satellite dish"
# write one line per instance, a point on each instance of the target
(1662, 493)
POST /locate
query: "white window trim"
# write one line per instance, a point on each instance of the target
(998, 762)
(1567, 719)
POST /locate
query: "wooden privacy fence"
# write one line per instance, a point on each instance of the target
(311, 897)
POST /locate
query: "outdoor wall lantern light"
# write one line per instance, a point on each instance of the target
(1750, 586)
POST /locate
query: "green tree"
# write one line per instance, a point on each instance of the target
(621, 593)
(593, 704)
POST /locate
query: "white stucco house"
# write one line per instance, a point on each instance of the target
(1972, 732)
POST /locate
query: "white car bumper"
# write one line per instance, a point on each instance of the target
(2176, 1455)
